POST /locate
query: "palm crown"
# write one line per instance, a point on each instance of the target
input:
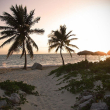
(60, 40)
(18, 29)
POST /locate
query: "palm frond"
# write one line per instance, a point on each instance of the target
(57, 35)
(69, 50)
(6, 28)
(30, 17)
(52, 41)
(73, 46)
(17, 49)
(15, 11)
(53, 46)
(51, 35)
(68, 33)
(32, 42)
(13, 48)
(63, 30)
(8, 32)
(3, 37)
(29, 48)
(10, 20)
(57, 49)
(38, 31)
(35, 21)
(17, 44)
(18, 14)
(25, 13)
(73, 39)
(8, 41)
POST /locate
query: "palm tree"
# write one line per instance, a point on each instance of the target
(60, 40)
(18, 30)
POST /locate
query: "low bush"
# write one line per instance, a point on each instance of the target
(13, 87)
(89, 73)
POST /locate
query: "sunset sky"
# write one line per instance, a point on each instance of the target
(89, 20)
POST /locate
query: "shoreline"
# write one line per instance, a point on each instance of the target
(5, 70)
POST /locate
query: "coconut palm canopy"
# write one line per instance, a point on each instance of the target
(85, 52)
(18, 30)
(60, 40)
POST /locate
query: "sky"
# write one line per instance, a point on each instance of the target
(89, 20)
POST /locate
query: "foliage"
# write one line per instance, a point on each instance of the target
(25, 87)
(107, 101)
(96, 67)
(18, 30)
(71, 67)
(60, 40)
(75, 86)
(100, 92)
(82, 76)
(9, 86)
(14, 86)
(102, 65)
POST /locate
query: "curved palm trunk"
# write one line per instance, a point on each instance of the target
(62, 57)
(25, 64)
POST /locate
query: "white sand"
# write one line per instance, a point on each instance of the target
(50, 99)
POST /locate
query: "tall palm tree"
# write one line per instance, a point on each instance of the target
(60, 40)
(18, 30)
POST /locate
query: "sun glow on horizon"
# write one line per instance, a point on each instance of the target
(94, 31)
(88, 20)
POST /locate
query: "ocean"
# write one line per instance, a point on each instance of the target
(45, 59)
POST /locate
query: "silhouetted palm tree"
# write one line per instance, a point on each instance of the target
(18, 30)
(60, 40)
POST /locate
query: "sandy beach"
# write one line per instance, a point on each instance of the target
(50, 98)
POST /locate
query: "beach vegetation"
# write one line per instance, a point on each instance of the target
(79, 66)
(18, 29)
(107, 101)
(83, 76)
(13, 87)
(60, 40)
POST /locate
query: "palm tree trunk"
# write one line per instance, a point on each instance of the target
(62, 57)
(25, 64)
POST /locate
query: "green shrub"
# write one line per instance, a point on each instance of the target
(14, 86)
(107, 101)
(9, 86)
(75, 86)
(25, 87)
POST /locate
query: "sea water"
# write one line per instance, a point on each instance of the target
(45, 59)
